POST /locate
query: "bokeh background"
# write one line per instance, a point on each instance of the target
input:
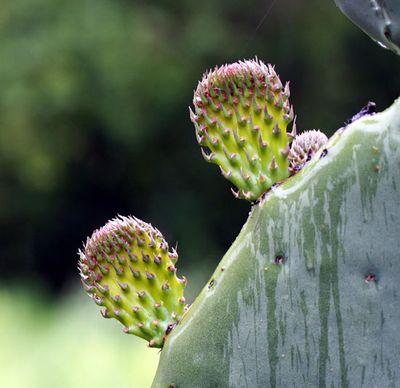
(94, 122)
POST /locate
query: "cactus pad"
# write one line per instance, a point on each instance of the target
(127, 268)
(308, 294)
(241, 114)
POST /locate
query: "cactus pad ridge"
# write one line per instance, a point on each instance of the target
(304, 147)
(127, 268)
(241, 114)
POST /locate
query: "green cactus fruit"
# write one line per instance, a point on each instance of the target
(127, 268)
(309, 293)
(304, 147)
(241, 114)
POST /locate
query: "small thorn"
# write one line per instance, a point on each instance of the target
(207, 157)
(173, 256)
(145, 258)
(286, 91)
(116, 298)
(171, 268)
(136, 309)
(104, 269)
(233, 159)
(140, 241)
(121, 260)
(193, 117)
(99, 300)
(285, 152)
(226, 133)
(102, 289)
(267, 117)
(164, 246)
(141, 294)
(276, 130)
(150, 275)
(235, 193)
(135, 272)
(263, 144)
(262, 178)
(182, 300)
(273, 165)
(279, 103)
(247, 195)
(157, 259)
(225, 174)
(291, 113)
(119, 270)
(269, 95)
(105, 313)
(244, 175)
(124, 286)
(132, 257)
(293, 133)
(165, 286)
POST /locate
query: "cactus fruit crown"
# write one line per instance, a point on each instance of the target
(126, 267)
(241, 116)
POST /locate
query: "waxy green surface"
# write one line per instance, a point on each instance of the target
(309, 293)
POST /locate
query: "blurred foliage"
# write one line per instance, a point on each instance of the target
(94, 118)
(63, 345)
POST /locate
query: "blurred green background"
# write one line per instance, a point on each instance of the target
(94, 98)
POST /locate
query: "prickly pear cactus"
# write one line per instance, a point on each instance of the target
(380, 19)
(241, 116)
(309, 293)
(127, 268)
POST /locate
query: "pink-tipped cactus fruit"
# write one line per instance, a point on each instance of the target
(241, 115)
(127, 268)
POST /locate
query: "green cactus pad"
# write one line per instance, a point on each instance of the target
(127, 268)
(309, 294)
(241, 114)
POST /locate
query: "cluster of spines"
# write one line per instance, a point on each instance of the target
(304, 147)
(127, 268)
(241, 114)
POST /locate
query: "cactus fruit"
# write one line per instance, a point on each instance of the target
(241, 114)
(379, 19)
(127, 268)
(308, 294)
(304, 147)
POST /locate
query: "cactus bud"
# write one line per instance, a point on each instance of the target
(304, 147)
(124, 267)
(241, 114)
